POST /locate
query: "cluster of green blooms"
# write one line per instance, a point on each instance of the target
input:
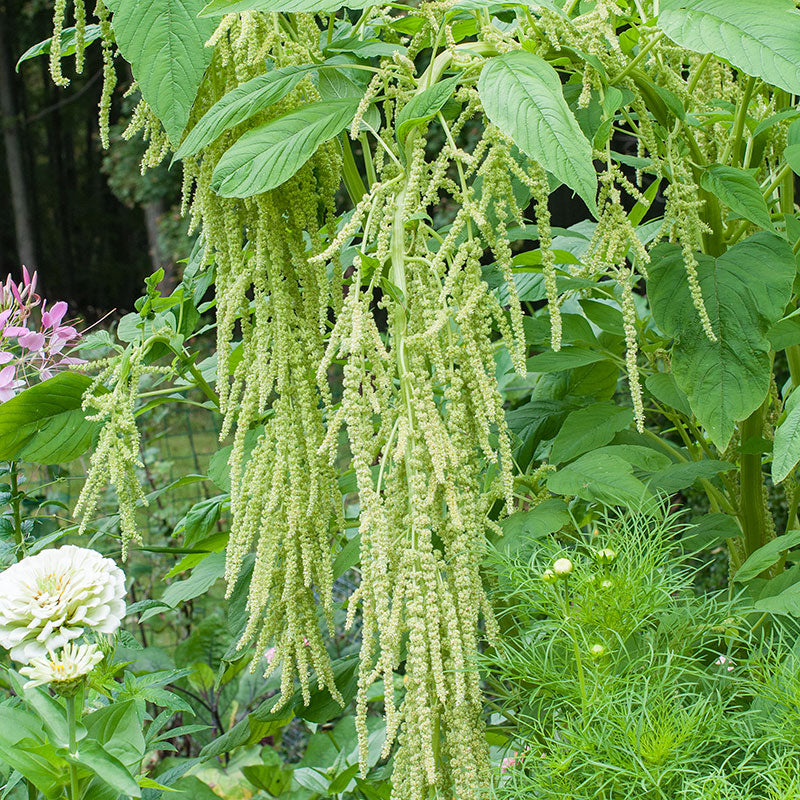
(285, 500)
(115, 458)
(420, 400)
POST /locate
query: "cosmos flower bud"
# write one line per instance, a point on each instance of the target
(598, 650)
(562, 567)
(548, 576)
(605, 556)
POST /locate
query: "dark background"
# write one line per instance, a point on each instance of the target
(83, 217)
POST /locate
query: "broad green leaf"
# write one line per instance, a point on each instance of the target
(766, 124)
(323, 707)
(92, 756)
(792, 156)
(709, 530)
(786, 602)
(339, 84)
(218, 8)
(679, 476)
(68, 43)
(745, 291)
(786, 452)
(348, 556)
(118, 728)
(522, 95)
(785, 332)
(203, 577)
(644, 458)
(565, 358)
(242, 103)
(20, 723)
(588, 428)
(766, 556)
(218, 469)
(602, 477)
(424, 106)
(313, 780)
(739, 191)
(50, 711)
(200, 520)
(164, 42)
(663, 387)
(269, 155)
(605, 316)
(39, 763)
(524, 526)
(760, 37)
(45, 424)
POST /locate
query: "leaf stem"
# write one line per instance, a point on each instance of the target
(575, 647)
(734, 144)
(640, 56)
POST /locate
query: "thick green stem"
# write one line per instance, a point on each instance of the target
(16, 511)
(786, 194)
(733, 148)
(751, 506)
(72, 724)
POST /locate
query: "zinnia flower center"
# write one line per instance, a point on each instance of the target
(50, 591)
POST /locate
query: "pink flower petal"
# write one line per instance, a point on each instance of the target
(32, 340)
(5, 357)
(15, 330)
(7, 376)
(52, 318)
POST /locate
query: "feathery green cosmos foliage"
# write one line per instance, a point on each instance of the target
(389, 325)
(622, 683)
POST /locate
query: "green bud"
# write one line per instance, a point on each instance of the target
(548, 576)
(562, 567)
(605, 556)
(598, 650)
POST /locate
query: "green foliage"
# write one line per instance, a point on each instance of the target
(618, 682)
(164, 42)
(757, 36)
(411, 314)
(267, 156)
(745, 290)
(45, 424)
(522, 96)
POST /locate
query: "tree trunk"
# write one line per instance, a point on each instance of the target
(23, 222)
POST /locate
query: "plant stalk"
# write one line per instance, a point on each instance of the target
(751, 506)
(576, 648)
(73, 746)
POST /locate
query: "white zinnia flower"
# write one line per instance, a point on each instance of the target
(48, 599)
(71, 664)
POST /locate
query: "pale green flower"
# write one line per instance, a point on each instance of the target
(63, 669)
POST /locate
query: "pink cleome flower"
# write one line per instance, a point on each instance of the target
(30, 353)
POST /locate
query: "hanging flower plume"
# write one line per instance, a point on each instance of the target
(56, 596)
